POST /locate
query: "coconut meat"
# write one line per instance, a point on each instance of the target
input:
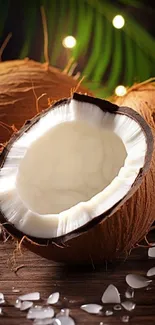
(72, 165)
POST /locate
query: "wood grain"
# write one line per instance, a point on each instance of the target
(77, 285)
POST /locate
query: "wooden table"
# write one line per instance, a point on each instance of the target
(77, 286)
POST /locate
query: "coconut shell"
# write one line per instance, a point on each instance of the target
(116, 233)
(22, 82)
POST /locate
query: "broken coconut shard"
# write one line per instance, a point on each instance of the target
(71, 167)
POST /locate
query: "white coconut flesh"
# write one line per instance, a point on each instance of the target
(72, 165)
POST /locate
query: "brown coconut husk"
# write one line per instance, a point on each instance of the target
(141, 98)
(26, 88)
(115, 234)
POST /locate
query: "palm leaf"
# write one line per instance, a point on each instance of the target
(97, 46)
(84, 30)
(59, 33)
(29, 24)
(106, 56)
(129, 63)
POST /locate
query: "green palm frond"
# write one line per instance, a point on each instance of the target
(106, 56)
(29, 28)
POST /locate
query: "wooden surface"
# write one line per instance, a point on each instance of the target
(77, 286)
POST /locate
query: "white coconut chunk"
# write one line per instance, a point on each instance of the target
(18, 303)
(108, 312)
(125, 319)
(151, 272)
(129, 293)
(92, 308)
(63, 312)
(66, 320)
(1, 311)
(1, 296)
(72, 165)
(26, 305)
(128, 305)
(15, 290)
(53, 298)
(40, 313)
(30, 296)
(111, 295)
(2, 299)
(47, 321)
(151, 252)
(137, 281)
(117, 307)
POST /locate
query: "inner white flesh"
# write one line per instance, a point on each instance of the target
(74, 164)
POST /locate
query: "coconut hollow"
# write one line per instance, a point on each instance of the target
(26, 87)
(77, 181)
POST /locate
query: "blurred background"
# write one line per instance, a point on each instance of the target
(111, 43)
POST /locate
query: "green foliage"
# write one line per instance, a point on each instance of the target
(105, 56)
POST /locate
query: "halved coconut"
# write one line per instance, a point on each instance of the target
(78, 176)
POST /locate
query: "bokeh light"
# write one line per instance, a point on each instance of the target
(69, 42)
(120, 90)
(118, 21)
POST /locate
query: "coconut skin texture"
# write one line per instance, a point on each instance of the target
(27, 86)
(141, 98)
(113, 233)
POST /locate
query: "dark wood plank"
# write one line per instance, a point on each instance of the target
(77, 285)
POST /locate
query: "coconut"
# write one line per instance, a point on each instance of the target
(141, 98)
(77, 181)
(27, 87)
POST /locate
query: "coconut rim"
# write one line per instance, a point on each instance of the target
(104, 106)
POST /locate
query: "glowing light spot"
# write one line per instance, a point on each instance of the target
(120, 90)
(118, 21)
(69, 42)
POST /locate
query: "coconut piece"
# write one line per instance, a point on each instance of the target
(151, 252)
(63, 312)
(111, 295)
(1, 296)
(128, 305)
(117, 307)
(18, 303)
(125, 319)
(92, 308)
(129, 293)
(137, 281)
(14, 290)
(81, 189)
(40, 313)
(26, 305)
(108, 312)
(66, 320)
(47, 321)
(30, 296)
(151, 272)
(2, 300)
(27, 86)
(53, 298)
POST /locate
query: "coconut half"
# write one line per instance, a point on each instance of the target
(70, 168)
